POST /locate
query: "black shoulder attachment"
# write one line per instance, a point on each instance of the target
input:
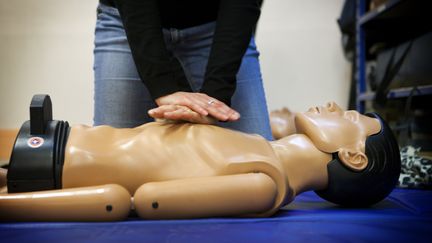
(37, 157)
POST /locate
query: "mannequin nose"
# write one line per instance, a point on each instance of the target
(315, 110)
(332, 107)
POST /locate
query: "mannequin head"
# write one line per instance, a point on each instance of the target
(333, 130)
(282, 123)
(366, 162)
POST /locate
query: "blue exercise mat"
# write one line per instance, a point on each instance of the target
(405, 216)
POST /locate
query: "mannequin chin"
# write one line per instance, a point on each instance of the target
(185, 170)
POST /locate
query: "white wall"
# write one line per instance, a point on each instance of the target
(301, 53)
(46, 47)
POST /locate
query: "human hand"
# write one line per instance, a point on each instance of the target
(201, 104)
(180, 112)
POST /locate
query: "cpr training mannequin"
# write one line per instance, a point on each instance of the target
(184, 170)
(282, 123)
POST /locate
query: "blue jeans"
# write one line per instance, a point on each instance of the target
(122, 100)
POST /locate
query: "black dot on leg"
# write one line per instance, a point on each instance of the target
(155, 205)
(109, 208)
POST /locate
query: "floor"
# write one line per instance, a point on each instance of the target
(405, 216)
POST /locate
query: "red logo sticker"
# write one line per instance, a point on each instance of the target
(35, 142)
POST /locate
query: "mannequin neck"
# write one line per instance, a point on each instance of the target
(304, 165)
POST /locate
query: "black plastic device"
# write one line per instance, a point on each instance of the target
(37, 158)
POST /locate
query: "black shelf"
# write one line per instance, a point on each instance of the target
(396, 22)
(400, 92)
(393, 23)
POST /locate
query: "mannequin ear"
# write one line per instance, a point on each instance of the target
(353, 159)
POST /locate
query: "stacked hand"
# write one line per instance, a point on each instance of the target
(192, 107)
(180, 113)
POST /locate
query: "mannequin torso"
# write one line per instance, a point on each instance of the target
(157, 152)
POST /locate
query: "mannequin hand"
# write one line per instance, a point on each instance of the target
(179, 112)
(200, 103)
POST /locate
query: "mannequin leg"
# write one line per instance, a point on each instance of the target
(98, 203)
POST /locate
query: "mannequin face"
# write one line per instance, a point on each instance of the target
(332, 129)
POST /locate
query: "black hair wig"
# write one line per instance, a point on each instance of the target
(371, 185)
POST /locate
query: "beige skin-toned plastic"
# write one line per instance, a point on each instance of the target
(191, 170)
(95, 203)
(282, 123)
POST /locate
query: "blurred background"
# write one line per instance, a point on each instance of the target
(46, 46)
(311, 53)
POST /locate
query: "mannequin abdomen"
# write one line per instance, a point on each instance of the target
(130, 157)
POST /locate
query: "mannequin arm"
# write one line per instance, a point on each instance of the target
(96, 203)
(228, 195)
